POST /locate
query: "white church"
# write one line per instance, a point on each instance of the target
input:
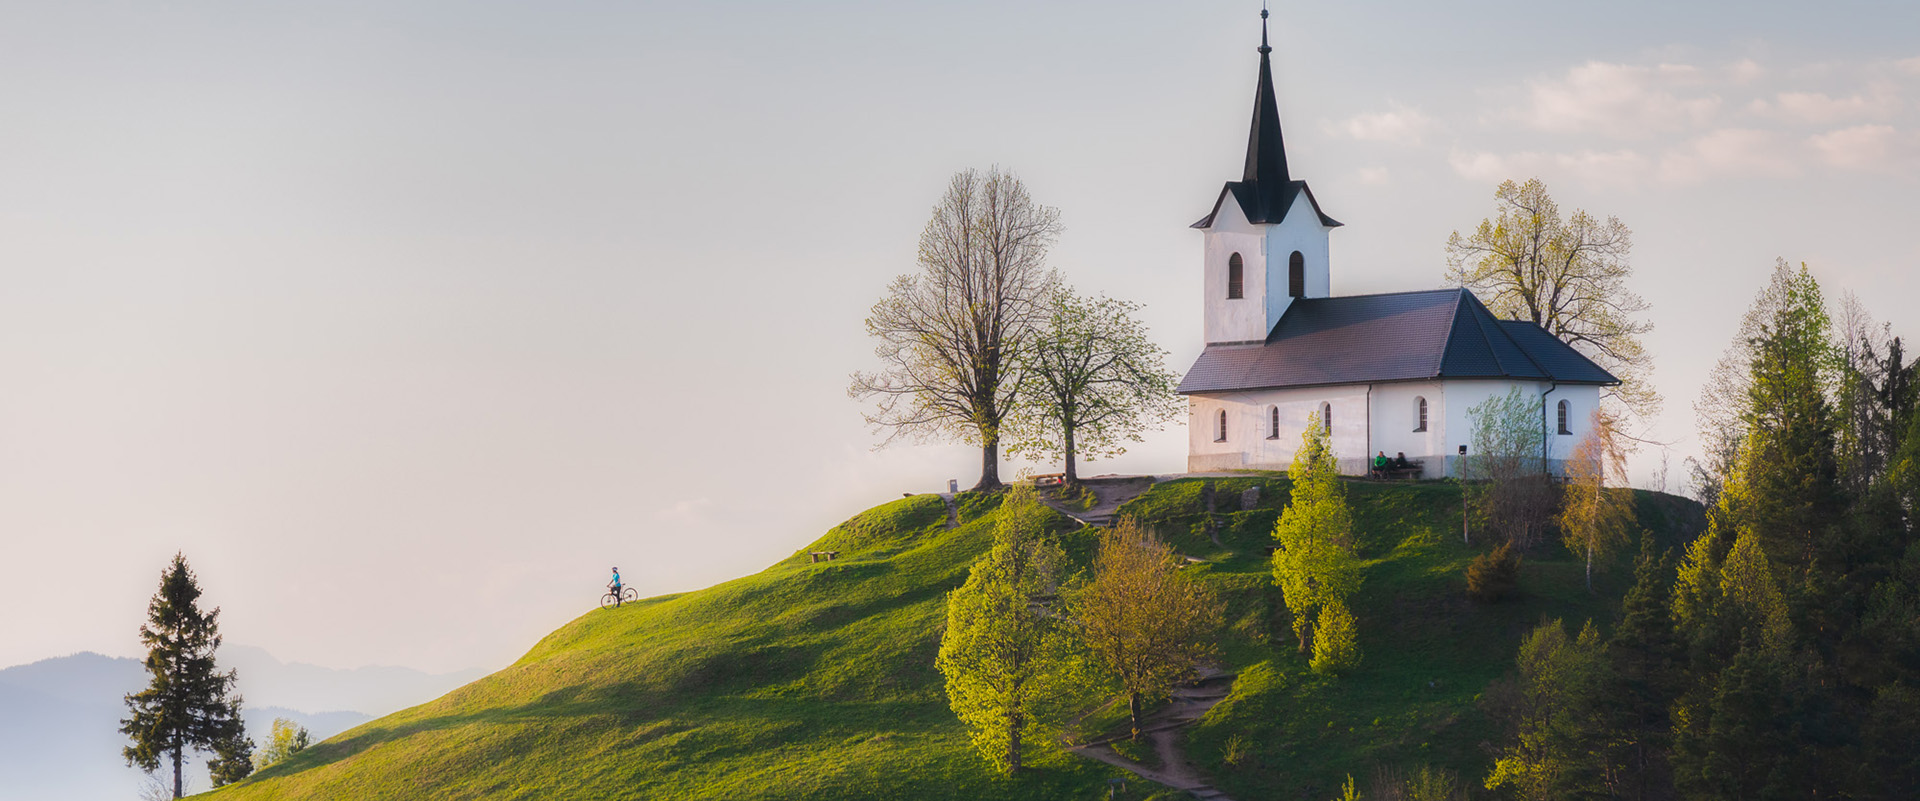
(1393, 373)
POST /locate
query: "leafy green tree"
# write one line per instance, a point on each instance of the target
(1146, 623)
(1553, 715)
(1566, 274)
(285, 739)
(1506, 465)
(1313, 561)
(1006, 661)
(1721, 410)
(951, 336)
(1596, 510)
(1336, 645)
(189, 702)
(1093, 381)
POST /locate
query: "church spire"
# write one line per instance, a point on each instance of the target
(1266, 152)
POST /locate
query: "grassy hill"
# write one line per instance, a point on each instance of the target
(817, 681)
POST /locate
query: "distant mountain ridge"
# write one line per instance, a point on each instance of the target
(60, 717)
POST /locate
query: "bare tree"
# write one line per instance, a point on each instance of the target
(1093, 380)
(951, 334)
(1149, 625)
(1567, 275)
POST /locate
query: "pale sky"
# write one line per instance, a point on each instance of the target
(404, 321)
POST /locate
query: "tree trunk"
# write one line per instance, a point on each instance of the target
(1013, 743)
(176, 774)
(1073, 477)
(1133, 706)
(989, 465)
(1589, 567)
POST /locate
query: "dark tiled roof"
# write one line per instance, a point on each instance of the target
(1404, 336)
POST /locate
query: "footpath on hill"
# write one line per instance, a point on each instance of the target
(1162, 728)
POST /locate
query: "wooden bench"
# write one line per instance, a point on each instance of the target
(1049, 479)
(823, 556)
(1390, 472)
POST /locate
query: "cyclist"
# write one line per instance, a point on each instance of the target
(614, 585)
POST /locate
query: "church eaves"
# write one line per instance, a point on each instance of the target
(1266, 189)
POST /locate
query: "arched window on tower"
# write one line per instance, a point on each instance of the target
(1326, 417)
(1220, 433)
(1236, 277)
(1564, 428)
(1273, 422)
(1296, 275)
(1419, 413)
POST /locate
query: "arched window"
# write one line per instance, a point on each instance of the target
(1236, 277)
(1273, 422)
(1326, 418)
(1220, 434)
(1563, 419)
(1296, 275)
(1419, 414)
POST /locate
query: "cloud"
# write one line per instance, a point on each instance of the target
(1879, 102)
(1620, 100)
(1618, 167)
(1866, 147)
(1910, 66)
(1374, 176)
(1400, 126)
(1730, 152)
(690, 512)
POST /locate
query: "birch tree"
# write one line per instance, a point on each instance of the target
(953, 333)
(1596, 511)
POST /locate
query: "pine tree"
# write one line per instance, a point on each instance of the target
(189, 703)
(1646, 677)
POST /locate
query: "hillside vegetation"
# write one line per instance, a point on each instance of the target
(817, 680)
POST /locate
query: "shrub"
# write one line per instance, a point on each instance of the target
(1335, 649)
(1494, 575)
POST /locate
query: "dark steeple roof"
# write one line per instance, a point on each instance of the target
(1266, 149)
(1265, 190)
(1403, 336)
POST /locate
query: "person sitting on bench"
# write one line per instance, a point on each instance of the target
(1380, 462)
(1400, 462)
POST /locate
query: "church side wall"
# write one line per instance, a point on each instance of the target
(1461, 396)
(1242, 319)
(1395, 415)
(1249, 446)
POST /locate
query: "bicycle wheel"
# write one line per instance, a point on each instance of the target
(630, 595)
(609, 601)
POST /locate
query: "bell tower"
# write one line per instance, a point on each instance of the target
(1266, 239)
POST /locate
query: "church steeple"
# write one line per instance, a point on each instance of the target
(1266, 150)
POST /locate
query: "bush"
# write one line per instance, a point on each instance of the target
(1334, 647)
(1494, 575)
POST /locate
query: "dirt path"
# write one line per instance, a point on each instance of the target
(1162, 728)
(1109, 492)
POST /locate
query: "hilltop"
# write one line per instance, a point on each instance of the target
(816, 680)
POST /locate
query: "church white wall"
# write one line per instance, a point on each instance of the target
(1248, 446)
(1243, 319)
(1461, 396)
(1363, 426)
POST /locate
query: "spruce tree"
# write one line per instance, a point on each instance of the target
(189, 703)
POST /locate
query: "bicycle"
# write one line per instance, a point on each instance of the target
(613, 600)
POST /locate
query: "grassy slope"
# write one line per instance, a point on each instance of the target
(817, 681)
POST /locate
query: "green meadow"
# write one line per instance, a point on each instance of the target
(816, 681)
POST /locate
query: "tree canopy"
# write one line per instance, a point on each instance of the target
(189, 703)
(952, 335)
